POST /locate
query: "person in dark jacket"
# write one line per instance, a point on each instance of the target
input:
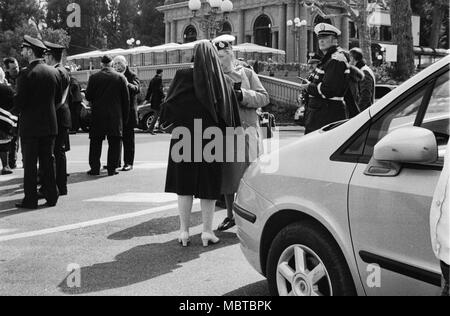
(199, 99)
(134, 87)
(75, 100)
(155, 96)
(331, 82)
(38, 94)
(110, 102)
(366, 87)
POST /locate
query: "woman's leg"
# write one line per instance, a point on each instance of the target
(185, 207)
(208, 209)
(229, 201)
(5, 163)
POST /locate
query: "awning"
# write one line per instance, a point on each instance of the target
(379, 18)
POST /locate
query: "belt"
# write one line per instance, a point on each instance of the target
(331, 99)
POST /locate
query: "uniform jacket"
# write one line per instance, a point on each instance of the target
(134, 88)
(38, 93)
(110, 102)
(62, 109)
(155, 93)
(331, 79)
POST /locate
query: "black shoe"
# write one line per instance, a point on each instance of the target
(52, 204)
(127, 168)
(113, 173)
(227, 224)
(27, 206)
(6, 171)
(12, 165)
(93, 173)
(40, 196)
(63, 192)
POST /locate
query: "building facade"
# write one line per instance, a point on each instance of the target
(262, 22)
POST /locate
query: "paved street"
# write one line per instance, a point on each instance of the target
(121, 231)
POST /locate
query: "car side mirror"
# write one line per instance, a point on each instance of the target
(408, 145)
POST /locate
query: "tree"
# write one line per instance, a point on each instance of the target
(434, 28)
(13, 13)
(401, 14)
(150, 23)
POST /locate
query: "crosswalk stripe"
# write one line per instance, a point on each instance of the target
(88, 223)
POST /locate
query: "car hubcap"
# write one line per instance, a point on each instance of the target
(149, 121)
(301, 272)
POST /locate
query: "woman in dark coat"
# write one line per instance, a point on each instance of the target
(198, 99)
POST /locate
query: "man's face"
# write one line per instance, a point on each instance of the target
(326, 42)
(226, 60)
(119, 66)
(353, 61)
(13, 69)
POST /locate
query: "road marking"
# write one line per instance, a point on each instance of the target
(151, 165)
(7, 231)
(9, 178)
(89, 223)
(131, 197)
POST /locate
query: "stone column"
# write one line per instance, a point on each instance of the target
(167, 32)
(290, 50)
(282, 21)
(241, 22)
(345, 37)
(173, 30)
(274, 40)
(303, 42)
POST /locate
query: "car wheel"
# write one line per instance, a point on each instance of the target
(304, 261)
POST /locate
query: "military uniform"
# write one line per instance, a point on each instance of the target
(327, 90)
(62, 142)
(38, 93)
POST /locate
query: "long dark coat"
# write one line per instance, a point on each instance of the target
(38, 93)
(134, 87)
(110, 102)
(200, 179)
(155, 93)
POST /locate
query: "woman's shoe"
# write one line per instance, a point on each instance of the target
(208, 238)
(227, 224)
(184, 239)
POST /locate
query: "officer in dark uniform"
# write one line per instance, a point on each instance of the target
(38, 93)
(62, 144)
(330, 83)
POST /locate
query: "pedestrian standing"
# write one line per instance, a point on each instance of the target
(440, 223)
(62, 143)
(199, 96)
(155, 95)
(12, 71)
(38, 94)
(331, 81)
(252, 96)
(110, 102)
(366, 86)
(75, 100)
(134, 88)
(7, 122)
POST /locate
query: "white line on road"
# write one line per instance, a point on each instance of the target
(89, 223)
(131, 197)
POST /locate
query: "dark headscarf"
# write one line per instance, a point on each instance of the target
(211, 86)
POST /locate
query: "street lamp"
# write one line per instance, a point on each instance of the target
(295, 27)
(213, 19)
(133, 42)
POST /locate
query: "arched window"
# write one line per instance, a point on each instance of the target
(226, 28)
(190, 34)
(262, 31)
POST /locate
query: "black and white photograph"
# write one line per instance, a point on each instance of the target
(224, 153)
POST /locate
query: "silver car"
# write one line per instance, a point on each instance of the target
(347, 210)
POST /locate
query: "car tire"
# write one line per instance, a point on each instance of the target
(321, 256)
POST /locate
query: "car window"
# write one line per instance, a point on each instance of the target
(403, 115)
(381, 92)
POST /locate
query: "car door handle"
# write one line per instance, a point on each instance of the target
(377, 168)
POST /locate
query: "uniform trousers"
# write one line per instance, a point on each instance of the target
(42, 149)
(129, 145)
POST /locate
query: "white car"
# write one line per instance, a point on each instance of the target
(347, 212)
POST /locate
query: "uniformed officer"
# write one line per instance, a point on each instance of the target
(38, 93)
(330, 82)
(62, 144)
